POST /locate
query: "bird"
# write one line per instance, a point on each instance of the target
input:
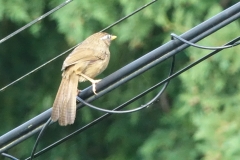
(85, 62)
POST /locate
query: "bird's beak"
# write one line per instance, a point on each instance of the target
(113, 37)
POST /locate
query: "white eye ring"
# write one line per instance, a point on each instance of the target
(106, 37)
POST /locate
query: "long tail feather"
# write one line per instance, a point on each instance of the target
(64, 106)
(58, 101)
(72, 101)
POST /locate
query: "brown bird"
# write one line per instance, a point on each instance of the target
(85, 62)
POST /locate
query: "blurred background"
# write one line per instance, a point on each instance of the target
(197, 117)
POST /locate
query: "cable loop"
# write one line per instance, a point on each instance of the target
(173, 35)
(136, 109)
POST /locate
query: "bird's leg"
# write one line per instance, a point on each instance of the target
(94, 82)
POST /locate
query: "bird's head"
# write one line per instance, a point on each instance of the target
(101, 37)
(107, 38)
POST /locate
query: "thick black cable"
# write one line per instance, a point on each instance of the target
(35, 21)
(203, 47)
(9, 156)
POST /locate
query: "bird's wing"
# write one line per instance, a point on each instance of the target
(80, 55)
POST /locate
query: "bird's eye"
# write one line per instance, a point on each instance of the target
(106, 37)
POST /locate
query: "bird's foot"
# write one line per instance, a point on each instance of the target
(94, 82)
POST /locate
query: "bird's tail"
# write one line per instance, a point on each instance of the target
(64, 106)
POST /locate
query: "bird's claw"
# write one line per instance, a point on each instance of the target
(94, 85)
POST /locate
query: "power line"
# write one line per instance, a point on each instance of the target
(35, 21)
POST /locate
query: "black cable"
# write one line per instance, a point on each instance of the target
(108, 114)
(202, 47)
(136, 109)
(9, 156)
(38, 138)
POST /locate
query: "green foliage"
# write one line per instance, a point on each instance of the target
(170, 141)
(196, 118)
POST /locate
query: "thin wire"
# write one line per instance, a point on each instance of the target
(38, 138)
(202, 47)
(146, 5)
(35, 21)
(110, 111)
(37, 68)
(107, 114)
(9, 156)
(34, 70)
